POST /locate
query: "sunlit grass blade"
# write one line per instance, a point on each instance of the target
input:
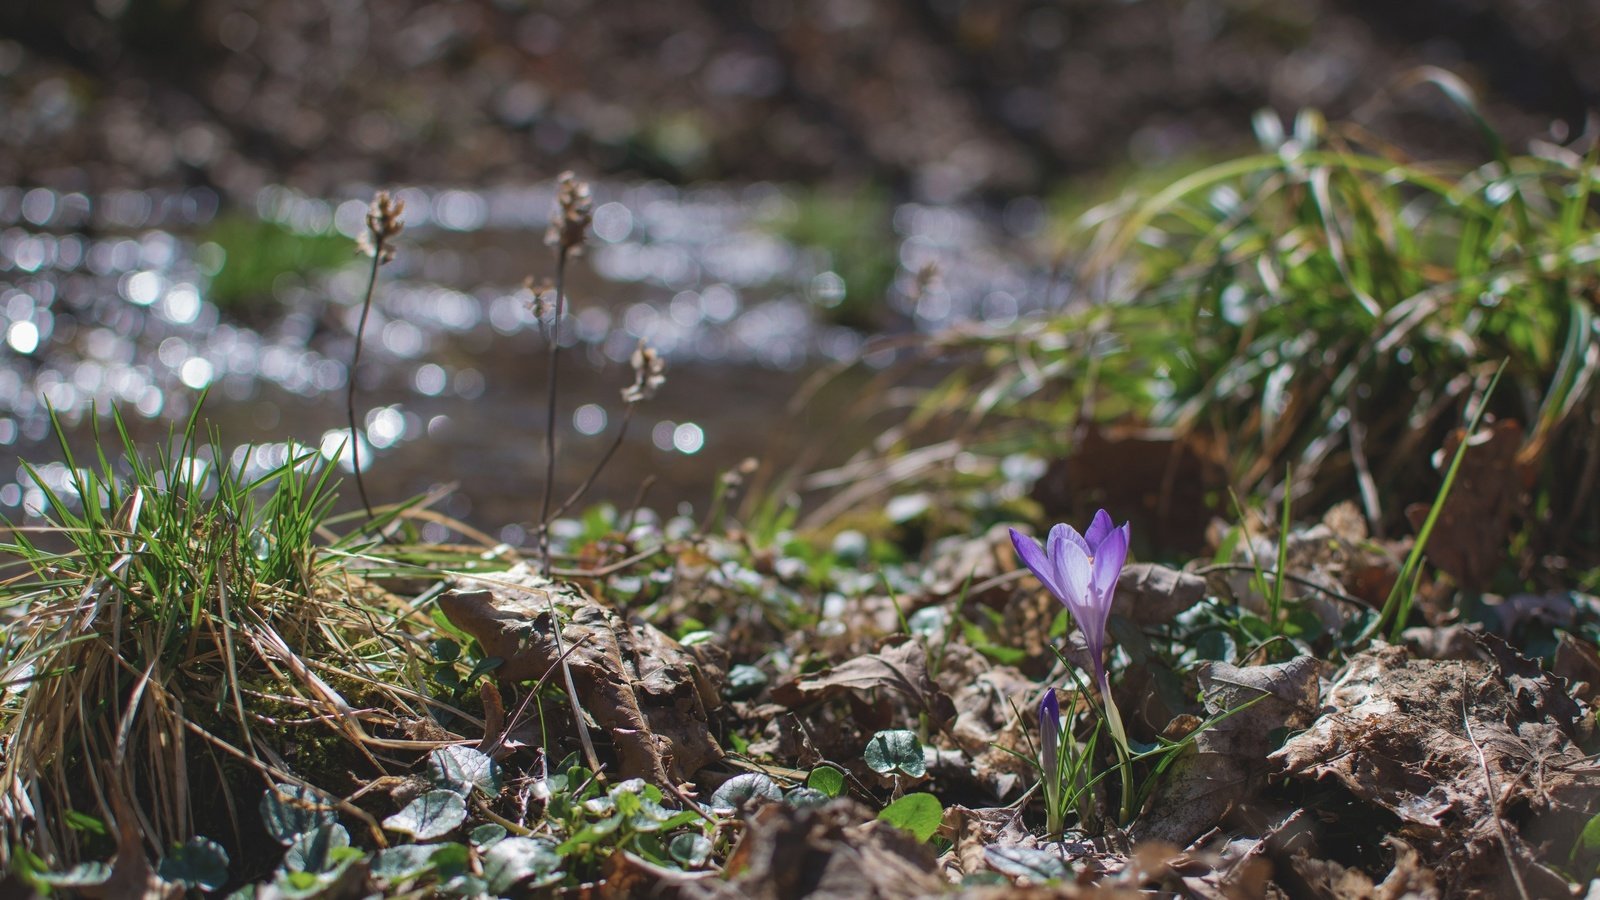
(1397, 606)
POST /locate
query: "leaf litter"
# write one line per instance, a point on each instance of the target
(773, 723)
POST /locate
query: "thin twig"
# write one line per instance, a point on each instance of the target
(1286, 576)
(1494, 800)
(490, 744)
(626, 525)
(613, 568)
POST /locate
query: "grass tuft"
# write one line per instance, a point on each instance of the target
(168, 605)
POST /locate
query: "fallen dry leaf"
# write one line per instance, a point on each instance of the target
(1426, 739)
(971, 831)
(899, 668)
(650, 694)
(1229, 758)
(1239, 872)
(1325, 879)
(831, 852)
(1579, 663)
(987, 697)
(1148, 594)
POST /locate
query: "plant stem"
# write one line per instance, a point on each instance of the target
(622, 433)
(550, 408)
(1119, 737)
(544, 514)
(355, 360)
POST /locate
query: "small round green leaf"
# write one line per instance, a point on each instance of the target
(919, 814)
(313, 851)
(290, 810)
(460, 769)
(896, 751)
(197, 863)
(745, 682)
(304, 885)
(430, 816)
(751, 788)
(403, 862)
(806, 797)
(487, 835)
(464, 885)
(826, 779)
(690, 850)
(517, 859)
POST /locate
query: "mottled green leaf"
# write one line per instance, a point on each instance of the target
(515, 860)
(403, 862)
(746, 789)
(690, 850)
(290, 810)
(806, 797)
(461, 769)
(432, 815)
(85, 874)
(895, 751)
(313, 851)
(197, 863)
(487, 835)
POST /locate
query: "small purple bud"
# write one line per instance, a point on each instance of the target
(1049, 732)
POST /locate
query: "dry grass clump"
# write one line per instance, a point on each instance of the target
(190, 645)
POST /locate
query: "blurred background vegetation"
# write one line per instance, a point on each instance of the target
(935, 99)
(1090, 216)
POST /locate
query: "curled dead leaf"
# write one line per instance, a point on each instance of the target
(650, 694)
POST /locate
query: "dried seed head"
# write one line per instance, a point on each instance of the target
(541, 296)
(573, 212)
(734, 478)
(926, 279)
(649, 374)
(383, 226)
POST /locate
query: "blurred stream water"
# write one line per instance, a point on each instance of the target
(107, 301)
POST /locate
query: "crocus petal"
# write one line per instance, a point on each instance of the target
(1064, 534)
(1033, 556)
(1113, 552)
(1076, 575)
(1098, 530)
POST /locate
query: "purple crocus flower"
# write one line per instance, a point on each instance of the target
(1081, 570)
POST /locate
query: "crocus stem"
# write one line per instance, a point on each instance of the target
(1119, 737)
(1050, 760)
(1052, 803)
